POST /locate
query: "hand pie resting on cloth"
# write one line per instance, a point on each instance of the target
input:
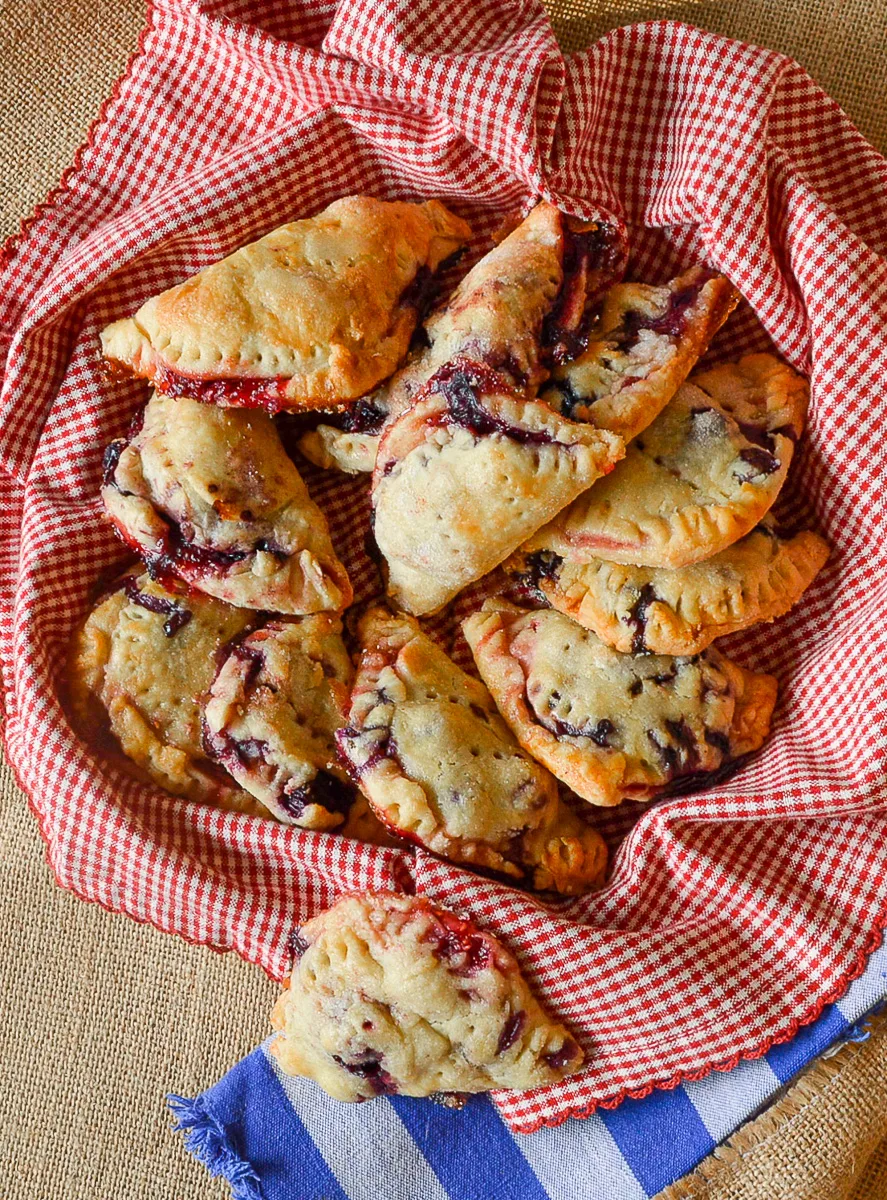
(271, 715)
(137, 668)
(615, 726)
(312, 315)
(643, 347)
(440, 766)
(209, 494)
(391, 995)
(637, 610)
(698, 479)
(535, 287)
(469, 472)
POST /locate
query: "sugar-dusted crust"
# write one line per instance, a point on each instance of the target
(653, 609)
(698, 479)
(271, 715)
(615, 726)
(644, 346)
(391, 995)
(466, 474)
(138, 672)
(440, 766)
(312, 315)
(209, 494)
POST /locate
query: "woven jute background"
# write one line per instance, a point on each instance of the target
(101, 1016)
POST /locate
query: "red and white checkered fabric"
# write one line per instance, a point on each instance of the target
(734, 914)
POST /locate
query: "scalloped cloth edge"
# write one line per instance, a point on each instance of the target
(825, 1137)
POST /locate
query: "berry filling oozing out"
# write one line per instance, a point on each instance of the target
(593, 260)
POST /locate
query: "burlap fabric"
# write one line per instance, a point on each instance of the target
(102, 1016)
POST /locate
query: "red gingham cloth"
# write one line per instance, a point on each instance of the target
(733, 915)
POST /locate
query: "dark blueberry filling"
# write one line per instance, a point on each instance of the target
(368, 1065)
(511, 1031)
(542, 564)
(269, 394)
(558, 1059)
(385, 748)
(600, 733)
(111, 458)
(637, 617)
(459, 385)
(505, 361)
(681, 753)
(672, 323)
(720, 741)
(324, 789)
(464, 951)
(176, 615)
(297, 944)
(420, 292)
(253, 657)
(362, 417)
(570, 400)
(665, 677)
(765, 438)
(593, 260)
(762, 462)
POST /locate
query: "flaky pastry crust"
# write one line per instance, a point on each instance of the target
(466, 474)
(698, 479)
(643, 347)
(391, 995)
(312, 315)
(439, 766)
(210, 495)
(615, 726)
(681, 611)
(137, 668)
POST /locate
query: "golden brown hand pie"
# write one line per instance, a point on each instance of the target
(653, 609)
(643, 347)
(525, 304)
(271, 715)
(696, 480)
(312, 315)
(210, 495)
(615, 726)
(391, 995)
(440, 766)
(466, 474)
(137, 668)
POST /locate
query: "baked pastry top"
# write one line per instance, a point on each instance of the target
(440, 766)
(653, 609)
(466, 474)
(391, 995)
(698, 479)
(525, 304)
(615, 726)
(138, 666)
(312, 315)
(271, 716)
(643, 347)
(209, 494)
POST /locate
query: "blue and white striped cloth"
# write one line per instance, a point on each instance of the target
(277, 1138)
